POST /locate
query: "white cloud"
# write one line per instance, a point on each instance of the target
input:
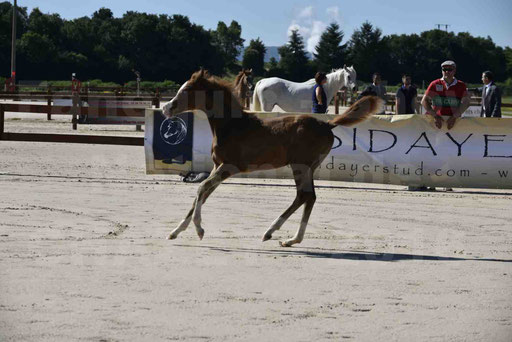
(333, 13)
(306, 12)
(309, 27)
(304, 30)
(317, 29)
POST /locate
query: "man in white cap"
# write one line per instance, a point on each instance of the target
(446, 96)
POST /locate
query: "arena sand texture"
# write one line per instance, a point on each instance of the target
(83, 256)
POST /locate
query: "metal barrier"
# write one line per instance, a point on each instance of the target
(342, 98)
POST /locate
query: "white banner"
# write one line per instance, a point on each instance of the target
(387, 149)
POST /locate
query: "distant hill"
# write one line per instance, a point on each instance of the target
(271, 52)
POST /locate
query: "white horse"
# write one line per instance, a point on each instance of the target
(297, 97)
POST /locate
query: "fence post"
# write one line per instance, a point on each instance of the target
(336, 103)
(74, 110)
(1, 121)
(49, 103)
(157, 98)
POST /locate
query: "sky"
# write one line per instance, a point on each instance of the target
(272, 20)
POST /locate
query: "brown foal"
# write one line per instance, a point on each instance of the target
(242, 85)
(242, 142)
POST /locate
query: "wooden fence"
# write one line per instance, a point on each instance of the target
(76, 109)
(73, 112)
(131, 116)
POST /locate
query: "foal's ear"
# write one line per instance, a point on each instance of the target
(345, 66)
(203, 73)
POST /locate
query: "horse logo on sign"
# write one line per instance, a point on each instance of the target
(173, 130)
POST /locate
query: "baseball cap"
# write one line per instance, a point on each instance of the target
(449, 63)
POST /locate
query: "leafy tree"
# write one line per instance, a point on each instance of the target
(485, 55)
(508, 57)
(6, 33)
(294, 61)
(101, 46)
(38, 48)
(163, 47)
(329, 51)
(228, 39)
(407, 55)
(421, 55)
(254, 57)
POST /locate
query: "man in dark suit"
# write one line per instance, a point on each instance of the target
(375, 89)
(491, 97)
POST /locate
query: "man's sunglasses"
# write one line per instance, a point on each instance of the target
(448, 69)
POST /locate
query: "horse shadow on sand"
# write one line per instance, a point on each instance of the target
(339, 255)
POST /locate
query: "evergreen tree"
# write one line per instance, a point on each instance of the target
(294, 61)
(367, 51)
(254, 57)
(273, 68)
(329, 51)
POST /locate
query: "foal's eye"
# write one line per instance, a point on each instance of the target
(348, 78)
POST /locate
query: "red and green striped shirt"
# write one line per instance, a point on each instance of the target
(446, 98)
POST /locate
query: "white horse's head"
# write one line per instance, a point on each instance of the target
(349, 76)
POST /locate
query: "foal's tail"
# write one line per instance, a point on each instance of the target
(256, 100)
(359, 111)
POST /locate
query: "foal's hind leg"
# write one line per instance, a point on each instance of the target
(306, 191)
(299, 172)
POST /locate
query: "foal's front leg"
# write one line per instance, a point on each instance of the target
(183, 224)
(205, 189)
(186, 221)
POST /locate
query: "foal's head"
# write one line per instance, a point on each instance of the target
(248, 78)
(243, 81)
(204, 92)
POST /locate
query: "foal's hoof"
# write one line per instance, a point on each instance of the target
(285, 244)
(200, 233)
(266, 237)
(172, 236)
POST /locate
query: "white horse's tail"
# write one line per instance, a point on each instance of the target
(256, 100)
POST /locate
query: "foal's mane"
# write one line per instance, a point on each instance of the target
(210, 82)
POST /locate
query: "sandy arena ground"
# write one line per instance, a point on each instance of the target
(83, 256)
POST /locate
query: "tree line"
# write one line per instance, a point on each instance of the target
(419, 55)
(163, 47)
